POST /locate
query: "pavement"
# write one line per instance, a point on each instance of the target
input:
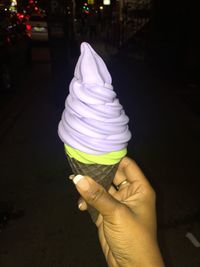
(40, 224)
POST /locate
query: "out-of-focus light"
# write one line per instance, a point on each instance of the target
(101, 7)
(29, 34)
(90, 2)
(13, 3)
(8, 40)
(28, 27)
(11, 26)
(6, 9)
(20, 16)
(36, 8)
(86, 9)
(106, 2)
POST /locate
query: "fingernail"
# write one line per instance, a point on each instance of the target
(80, 205)
(81, 182)
(77, 178)
(71, 177)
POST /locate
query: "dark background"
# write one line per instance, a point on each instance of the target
(155, 71)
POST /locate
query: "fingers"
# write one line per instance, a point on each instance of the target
(112, 190)
(140, 184)
(95, 195)
(82, 205)
(130, 171)
(119, 177)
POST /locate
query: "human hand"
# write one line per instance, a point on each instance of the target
(127, 220)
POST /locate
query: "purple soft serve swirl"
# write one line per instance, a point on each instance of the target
(93, 120)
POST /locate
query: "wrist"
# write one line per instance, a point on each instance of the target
(151, 258)
(146, 257)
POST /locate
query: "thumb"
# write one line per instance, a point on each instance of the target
(95, 195)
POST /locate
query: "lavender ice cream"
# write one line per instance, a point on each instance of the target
(93, 121)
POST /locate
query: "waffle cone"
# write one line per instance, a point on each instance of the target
(102, 174)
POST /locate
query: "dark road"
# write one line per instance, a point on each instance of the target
(43, 225)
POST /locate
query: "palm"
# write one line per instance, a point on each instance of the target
(104, 244)
(128, 195)
(123, 224)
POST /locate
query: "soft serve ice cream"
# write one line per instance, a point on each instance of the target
(94, 126)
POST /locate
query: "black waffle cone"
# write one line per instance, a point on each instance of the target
(102, 174)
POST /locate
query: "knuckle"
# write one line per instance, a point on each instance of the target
(97, 194)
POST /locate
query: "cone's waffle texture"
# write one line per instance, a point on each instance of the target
(102, 174)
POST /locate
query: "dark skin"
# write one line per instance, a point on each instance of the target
(127, 217)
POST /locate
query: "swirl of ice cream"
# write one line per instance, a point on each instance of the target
(93, 121)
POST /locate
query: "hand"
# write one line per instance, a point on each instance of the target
(127, 219)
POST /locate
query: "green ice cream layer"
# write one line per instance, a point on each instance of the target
(110, 158)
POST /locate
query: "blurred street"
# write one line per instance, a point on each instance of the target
(41, 224)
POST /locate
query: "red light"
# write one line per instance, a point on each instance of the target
(28, 27)
(36, 8)
(20, 16)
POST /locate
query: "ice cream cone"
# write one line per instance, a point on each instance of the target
(102, 174)
(94, 126)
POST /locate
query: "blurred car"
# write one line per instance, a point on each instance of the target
(37, 28)
(13, 48)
